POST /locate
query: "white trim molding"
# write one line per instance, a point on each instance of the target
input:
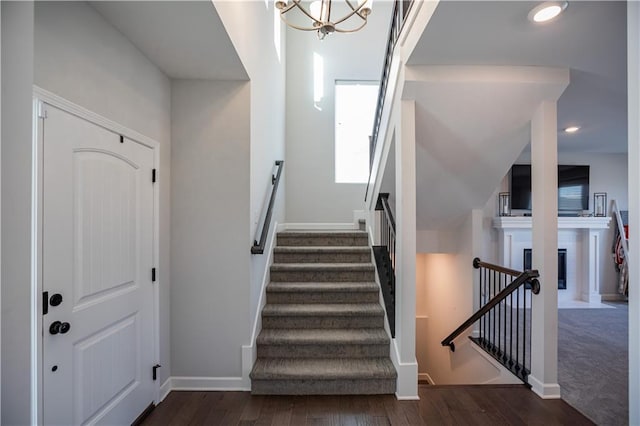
(185, 383)
(544, 390)
(250, 352)
(407, 382)
(165, 388)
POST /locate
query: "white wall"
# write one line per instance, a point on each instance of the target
(608, 173)
(312, 194)
(17, 80)
(209, 241)
(81, 57)
(260, 41)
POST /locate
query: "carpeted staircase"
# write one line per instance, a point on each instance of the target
(322, 325)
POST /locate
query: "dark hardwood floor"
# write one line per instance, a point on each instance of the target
(438, 405)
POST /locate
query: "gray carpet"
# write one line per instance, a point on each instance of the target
(593, 362)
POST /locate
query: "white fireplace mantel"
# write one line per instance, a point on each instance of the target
(581, 236)
(577, 222)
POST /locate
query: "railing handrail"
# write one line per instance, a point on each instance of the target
(477, 263)
(384, 206)
(398, 19)
(523, 277)
(623, 235)
(258, 247)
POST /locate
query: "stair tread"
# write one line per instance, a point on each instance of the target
(322, 266)
(332, 309)
(323, 369)
(308, 287)
(330, 232)
(322, 249)
(361, 336)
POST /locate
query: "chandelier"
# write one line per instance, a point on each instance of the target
(351, 19)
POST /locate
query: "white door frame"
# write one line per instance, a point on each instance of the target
(40, 97)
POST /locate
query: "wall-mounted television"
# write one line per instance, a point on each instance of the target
(573, 188)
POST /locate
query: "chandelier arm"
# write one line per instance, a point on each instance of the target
(355, 11)
(303, 10)
(352, 30)
(297, 27)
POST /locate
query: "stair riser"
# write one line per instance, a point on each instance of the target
(324, 387)
(322, 276)
(323, 322)
(335, 257)
(323, 351)
(322, 241)
(321, 297)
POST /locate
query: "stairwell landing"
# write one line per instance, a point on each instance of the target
(322, 325)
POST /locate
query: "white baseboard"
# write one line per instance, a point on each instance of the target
(407, 383)
(208, 384)
(544, 390)
(427, 377)
(613, 297)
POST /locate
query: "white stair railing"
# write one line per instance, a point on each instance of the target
(623, 235)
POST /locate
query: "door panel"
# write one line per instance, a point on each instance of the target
(97, 253)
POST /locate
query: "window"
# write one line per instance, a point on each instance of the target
(355, 110)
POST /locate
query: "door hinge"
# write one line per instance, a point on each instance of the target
(153, 275)
(153, 175)
(155, 371)
(121, 139)
(42, 110)
(45, 302)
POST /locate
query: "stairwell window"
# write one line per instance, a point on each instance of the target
(354, 113)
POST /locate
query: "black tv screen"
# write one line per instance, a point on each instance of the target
(573, 188)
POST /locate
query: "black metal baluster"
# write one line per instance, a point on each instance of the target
(504, 307)
(518, 329)
(511, 330)
(524, 335)
(480, 335)
(497, 308)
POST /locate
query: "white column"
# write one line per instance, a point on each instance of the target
(592, 245)
(633, 114)
(406, 252)
(544, 306)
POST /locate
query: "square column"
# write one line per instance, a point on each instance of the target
(544, 306)
(406, 252)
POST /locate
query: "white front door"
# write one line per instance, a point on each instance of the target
(96, 267)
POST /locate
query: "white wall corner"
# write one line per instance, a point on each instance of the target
(544, 390)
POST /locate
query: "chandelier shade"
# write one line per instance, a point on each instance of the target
(352, 18)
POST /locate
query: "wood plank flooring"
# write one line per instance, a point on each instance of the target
(438, 405)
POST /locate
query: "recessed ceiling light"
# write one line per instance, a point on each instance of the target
(572, 129)
(547, 11)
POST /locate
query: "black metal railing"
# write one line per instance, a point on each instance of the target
(398, 17)
(504, 317)
(385, 256)
(258, 246)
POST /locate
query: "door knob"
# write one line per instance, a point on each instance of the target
(55, 300)
(55, 326)
(59, 327)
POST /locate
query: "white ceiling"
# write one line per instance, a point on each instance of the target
(589, 38)
(185, 39)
